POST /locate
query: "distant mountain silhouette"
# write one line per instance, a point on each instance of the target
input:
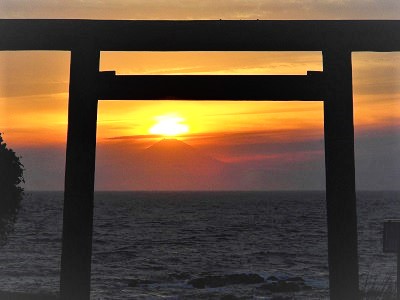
(175, 153)
(171, 164)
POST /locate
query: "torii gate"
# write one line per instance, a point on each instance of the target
(85, 39)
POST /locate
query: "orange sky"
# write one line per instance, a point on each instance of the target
(34, 93)
(35, 88)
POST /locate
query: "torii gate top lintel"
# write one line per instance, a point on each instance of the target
(205, 35)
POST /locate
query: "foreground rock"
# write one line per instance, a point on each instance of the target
(229, 297)
(223, 280)
(289, 285)
(138, 282)
(26, 296)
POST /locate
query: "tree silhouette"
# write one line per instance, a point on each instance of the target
(11, 175)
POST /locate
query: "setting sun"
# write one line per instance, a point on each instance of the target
(169, 125)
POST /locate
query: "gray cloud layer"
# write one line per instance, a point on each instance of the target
(205, 9)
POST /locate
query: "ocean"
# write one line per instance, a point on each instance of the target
(161, 245)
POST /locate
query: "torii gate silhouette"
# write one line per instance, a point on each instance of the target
(86, 38)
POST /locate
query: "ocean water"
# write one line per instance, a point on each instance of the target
(162, 240)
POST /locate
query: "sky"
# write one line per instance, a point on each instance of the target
(269, 145)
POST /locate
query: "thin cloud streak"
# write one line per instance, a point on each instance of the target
(254, 135)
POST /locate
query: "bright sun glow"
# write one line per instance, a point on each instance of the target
(170, 125)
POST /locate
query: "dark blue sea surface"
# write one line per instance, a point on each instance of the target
(149, 245)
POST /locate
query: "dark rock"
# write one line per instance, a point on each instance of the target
(180, 276)
(26, 296)
(285, 286)
(229, 297)
(199, 283)
(223, 280)
(282, 298)
(296, 279)
(137, 282)
(272, 278)
(157, 268)
(281, 287)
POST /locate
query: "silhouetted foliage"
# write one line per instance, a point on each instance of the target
(11, 175)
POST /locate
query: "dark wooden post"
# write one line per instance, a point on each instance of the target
(79, 174)
(340, 175)
(398, 274)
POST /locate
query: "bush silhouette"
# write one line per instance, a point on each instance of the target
(11, 175)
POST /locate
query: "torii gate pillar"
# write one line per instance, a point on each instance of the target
(340, 175)
(79, 173)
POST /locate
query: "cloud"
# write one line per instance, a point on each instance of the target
(24, 73)
(205, 9)
(135, 137)
(376, 73)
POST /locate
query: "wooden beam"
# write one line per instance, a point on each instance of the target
(360, 35)
(79, 174)
(340, 176)
(211, 87)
